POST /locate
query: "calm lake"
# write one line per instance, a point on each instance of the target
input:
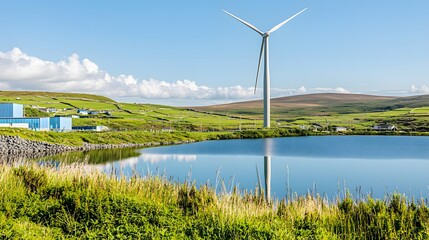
(363, 164)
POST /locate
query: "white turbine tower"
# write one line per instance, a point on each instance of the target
(264, 50)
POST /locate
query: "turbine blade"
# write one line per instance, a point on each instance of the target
(245, 23)
(285, 21)
(259, 63)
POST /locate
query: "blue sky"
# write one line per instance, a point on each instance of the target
(191, 53)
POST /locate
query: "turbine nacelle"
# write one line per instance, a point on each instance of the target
(265, 35)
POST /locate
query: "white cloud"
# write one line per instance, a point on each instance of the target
(280, 92)
(20, 71)
(156, 158)
(341, 90)
(424, 89)
(276, 92)
(330, 90)
(144, 158)
(302, 89)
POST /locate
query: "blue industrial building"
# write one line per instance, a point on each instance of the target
(33, 123)
(11, 110)
(61, 124)
(12, 114)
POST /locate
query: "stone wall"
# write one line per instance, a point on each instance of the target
(14, 146)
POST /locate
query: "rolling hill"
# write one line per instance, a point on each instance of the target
(121, 116)
(56, 99)
(321, 104)
(356, 111)
(33, 95)
(300, 101)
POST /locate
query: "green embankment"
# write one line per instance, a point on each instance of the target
(73, 202)
(33, 112)
(142, 137)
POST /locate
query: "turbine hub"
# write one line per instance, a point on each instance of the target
(267, 34)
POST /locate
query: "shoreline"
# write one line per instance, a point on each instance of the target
(13, 146)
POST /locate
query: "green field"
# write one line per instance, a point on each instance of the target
(126, 116)
(142, 137)
(358, 113)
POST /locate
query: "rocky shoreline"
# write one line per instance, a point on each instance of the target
(14, 147)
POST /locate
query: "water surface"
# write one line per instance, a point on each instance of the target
(364, 164)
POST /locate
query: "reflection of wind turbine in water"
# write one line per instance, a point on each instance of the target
(268, 144)
(264, 51)
(267, 174)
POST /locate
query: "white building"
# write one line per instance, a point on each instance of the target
(384, 127)
(340, 129)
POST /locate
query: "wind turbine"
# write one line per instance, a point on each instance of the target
(264, 50)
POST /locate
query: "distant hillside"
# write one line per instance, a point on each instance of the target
(8, 95)
(401, 102)
(354, 111)
(56, 100)
(121, 116)
(320, 104)
(299, 101)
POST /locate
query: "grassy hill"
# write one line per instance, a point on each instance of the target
(355, 111)
(124, 116)
(302, 101)
(309, 104)
(49, 99)
(321, 104)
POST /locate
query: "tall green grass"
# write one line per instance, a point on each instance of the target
(76, 202)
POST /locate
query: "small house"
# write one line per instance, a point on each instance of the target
(91, 128)
(82, 111)
(47, 110)
(340, 129)
(384, 127)
(51, 110)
